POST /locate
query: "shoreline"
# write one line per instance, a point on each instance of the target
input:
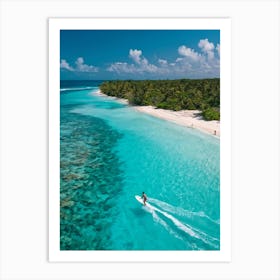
(187, 118)
(121, 100)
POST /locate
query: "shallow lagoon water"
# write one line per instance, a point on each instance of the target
(109, 153)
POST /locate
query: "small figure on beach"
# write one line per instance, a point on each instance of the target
(144, 197)
(215, 132)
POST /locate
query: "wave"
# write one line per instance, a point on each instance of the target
(180, 211)
(76, 89)
(185, 228)
(162, 222)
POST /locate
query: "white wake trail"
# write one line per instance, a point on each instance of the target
(187, 229)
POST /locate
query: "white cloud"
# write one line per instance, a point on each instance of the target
(179, 59)
(207, 47)
(147, 67)
(162, 62)
(80, 66)
(190, 63)
(218, 48)
(141, 64)
(65, 65)
(201, 63)
(135, 55)
(121, 67)
(188, 52)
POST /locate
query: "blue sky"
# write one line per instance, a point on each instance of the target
(139, 54)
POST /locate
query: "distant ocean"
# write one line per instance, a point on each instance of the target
(109, 153)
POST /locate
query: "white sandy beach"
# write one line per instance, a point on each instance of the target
(188, 118)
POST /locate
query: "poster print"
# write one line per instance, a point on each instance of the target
(138, 138)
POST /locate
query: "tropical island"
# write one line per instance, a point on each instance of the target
(190, 102)
(139, 111)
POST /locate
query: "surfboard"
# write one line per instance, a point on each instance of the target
(139, 199)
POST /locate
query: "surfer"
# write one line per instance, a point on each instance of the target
(144, 197)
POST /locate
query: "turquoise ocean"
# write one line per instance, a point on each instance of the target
(109, 152)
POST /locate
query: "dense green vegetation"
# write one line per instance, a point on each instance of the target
(184, 94)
